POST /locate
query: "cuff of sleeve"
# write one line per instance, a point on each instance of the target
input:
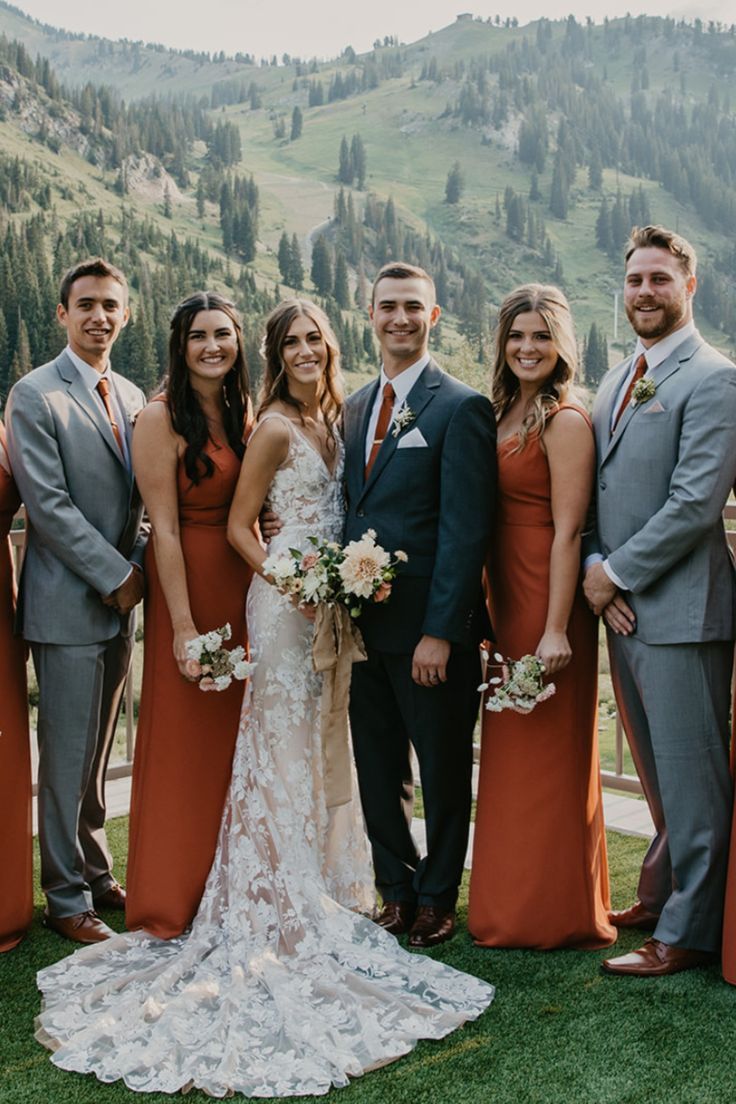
(125, 578)
(613, 576)
(593, 558)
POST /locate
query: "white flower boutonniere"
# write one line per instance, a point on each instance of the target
(644, 389)
(403, 417)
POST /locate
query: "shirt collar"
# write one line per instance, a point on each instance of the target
(656, 354)
(403, 383)
(89, 374)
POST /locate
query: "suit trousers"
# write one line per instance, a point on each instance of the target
(388, 712)
(674, 703)
(80, 690)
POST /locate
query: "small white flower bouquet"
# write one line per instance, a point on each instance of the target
(361, 571)
(519, 686)
(214, 665)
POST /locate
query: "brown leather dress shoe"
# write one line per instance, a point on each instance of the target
(432, 926)
(83, 927)
(396, 916)
(112, 898)
(657, 959)
(635, 917)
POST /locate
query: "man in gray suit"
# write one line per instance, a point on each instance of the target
(69, 424)
(665, 426)
(420, 469)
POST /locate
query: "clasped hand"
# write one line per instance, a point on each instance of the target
(127, 596)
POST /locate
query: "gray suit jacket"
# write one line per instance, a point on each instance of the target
(662, 481)
(83, 508)
(434, 502)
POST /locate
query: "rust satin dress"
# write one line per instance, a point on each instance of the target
(540, 871)
(186, 737)
(16, 890)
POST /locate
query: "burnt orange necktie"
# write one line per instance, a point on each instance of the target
(103, 387)
(384, 420)
(641, 367)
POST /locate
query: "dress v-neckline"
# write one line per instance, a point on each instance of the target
(310, 445)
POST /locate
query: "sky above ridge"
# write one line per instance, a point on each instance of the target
(321, 28)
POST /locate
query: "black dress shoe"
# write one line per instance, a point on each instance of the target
(112, 898)
(432, 926)
(397, 916)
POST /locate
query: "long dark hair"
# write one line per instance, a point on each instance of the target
(187, 416)
(275, 383)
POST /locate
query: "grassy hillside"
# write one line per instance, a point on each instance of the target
(408, 104)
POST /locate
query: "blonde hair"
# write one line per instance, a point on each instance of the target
(275, 383)
(552, 306)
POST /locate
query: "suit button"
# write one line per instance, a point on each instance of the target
(360, 513)
(602, 486)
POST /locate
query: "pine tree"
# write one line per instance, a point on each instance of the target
(345, 169)
(455, 184)
(4, 357)
(341, 289)
(296, 266)
(359, 161)
(321, 271)
(21, 363)
(595, 359)
(297, 123)
(284, 259)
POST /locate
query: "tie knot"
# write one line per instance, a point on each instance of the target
(388, 392)
(103, 386)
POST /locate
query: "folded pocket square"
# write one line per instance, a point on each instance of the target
(655, 408)
(413, 439)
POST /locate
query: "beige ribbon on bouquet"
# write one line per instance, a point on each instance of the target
(337, 645)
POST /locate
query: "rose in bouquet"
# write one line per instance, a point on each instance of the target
(520, 685)
(213, 665)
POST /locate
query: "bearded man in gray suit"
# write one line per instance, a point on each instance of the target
(665, 426)
(68, 425)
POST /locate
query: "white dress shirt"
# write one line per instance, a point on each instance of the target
(402, 385)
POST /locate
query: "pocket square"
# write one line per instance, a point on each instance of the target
(413, 439)
(655, 408)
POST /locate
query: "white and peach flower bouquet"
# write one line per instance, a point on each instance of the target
(519, 686)
(361, 571)
(213, 665)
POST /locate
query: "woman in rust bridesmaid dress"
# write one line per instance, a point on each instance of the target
(729, 914)
(187, 452)
(540, 874)
(16, 891)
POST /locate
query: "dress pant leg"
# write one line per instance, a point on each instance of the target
(440, 721)
(655, 879)
(382, 759)
(71, 682)
(685, 694)
(92, 837)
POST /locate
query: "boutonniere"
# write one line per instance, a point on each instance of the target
(644, 389)
(403, 417)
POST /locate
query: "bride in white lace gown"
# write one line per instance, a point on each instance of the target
(281, 987)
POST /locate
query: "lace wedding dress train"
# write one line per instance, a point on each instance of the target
(281, 987)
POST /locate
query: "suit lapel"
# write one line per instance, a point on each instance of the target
(420, 395)
(82, 395)
(358, 413)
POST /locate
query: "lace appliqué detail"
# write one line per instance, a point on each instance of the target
(281, 987)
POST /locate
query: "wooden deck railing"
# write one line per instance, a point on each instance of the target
(616, 779)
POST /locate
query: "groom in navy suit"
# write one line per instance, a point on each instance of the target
(420, 469)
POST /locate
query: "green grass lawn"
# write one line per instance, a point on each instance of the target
(559, 1032)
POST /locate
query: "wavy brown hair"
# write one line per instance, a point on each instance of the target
(550, 303)
(187, 416)
(275, 383)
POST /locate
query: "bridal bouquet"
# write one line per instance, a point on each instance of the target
(215, 665)
(519, 686)
(328, 573)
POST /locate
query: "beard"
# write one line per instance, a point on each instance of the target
(668, 318)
